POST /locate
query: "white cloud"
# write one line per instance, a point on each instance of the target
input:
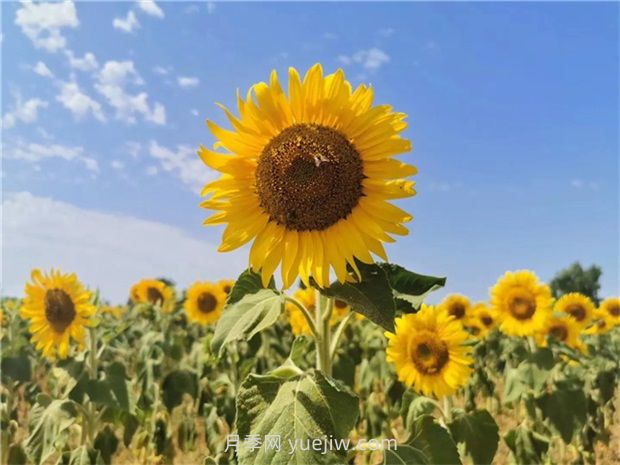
(162, 70)
(27, 112)
(151, 8)
(371, 59)
(117, 165)
(107, 251)
(132, 148)
(187, 82)
(42, 22)
(129, 24)
(87, 63)
(78, 103)
(42, 70)
(112, 80)
(183, 163)
(35, 153)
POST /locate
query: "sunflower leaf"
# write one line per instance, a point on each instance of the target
(248, 282)
(410, 289)
(48, 427)
(479, 432)
(371, 295)
(246, 317)
(301, 412)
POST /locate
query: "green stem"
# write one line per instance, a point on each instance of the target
(324, 307)
(447, 409)
(338, 334)
(305, 313)
(91, 412)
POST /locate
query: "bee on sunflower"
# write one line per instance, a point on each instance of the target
(564, 329)
(308, 177)
(58, 308)
(204, 302)
(611, 308)
(457, 306)
(429, 352)
(578, 306)
(154, 292)
(307, 297)
(522, 303)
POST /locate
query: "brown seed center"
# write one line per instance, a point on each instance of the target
(227, 288)
(486, 320)
(576, 311)
(522, 308)
(59, 309)
(614, 310)
(340, 304)
(457, 311)
(558, 332)
(154, 296)
(206, 302)
(430, 356)
(308, 177)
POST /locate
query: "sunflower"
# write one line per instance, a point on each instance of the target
(429, 352)
(115, 310)
(457, 306)
(308, 177)
(611, 308)
(307, 297)
(522, 303)
(481, 320)
(58, 307)
(578, 306)
(154, 292)
(204, 302)
(563, 329)
(602, 323)
(226, 285)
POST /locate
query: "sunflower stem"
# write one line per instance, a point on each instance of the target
(338, 334)
(447, 409)
(324, 306)
(305, 313)
(91, 413)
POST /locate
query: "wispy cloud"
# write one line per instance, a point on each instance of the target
(35, 153)
(87, 63)
(79, 103)
(42, 70)
(371, 59)
(150, 8)
(183, 163)
(128, 24)
(26, 112)
(187, 82)
(43, 22)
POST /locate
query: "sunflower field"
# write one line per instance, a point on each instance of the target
(322, 351)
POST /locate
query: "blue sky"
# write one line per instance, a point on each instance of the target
(513, 113)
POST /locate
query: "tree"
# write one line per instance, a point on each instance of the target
(577, 279)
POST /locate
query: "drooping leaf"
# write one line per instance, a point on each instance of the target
(479, 432)
(106, 443)
(48, 428)
(248, 282)
(308, 407)
(409, 288)
(414, 406)
(371, 296)
(565, 408)
(245, 318)
(176, 384)
(117, 380)
(526, 445)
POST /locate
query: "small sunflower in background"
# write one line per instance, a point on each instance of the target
(115, 310)
(308, 177)
(226, 285)
(522, 303)
(457, 306)
(58, 308)
(154, 292)
(307, 297)
(429, 352)
(601, 323)
(204, 302)
(611, 308)
(481, 320)
(578, 306)
(563, 329)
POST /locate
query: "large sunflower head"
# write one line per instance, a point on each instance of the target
(578, 306)
(154, 292)
(308, 177)
(457, 306)
(564, 329)
(58, 307)
(611, 308)
(429, 352)
(522, 303)
(204, 302)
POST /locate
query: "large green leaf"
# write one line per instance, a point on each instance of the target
(526, 445)
(479, 432)
(248, 282)
(176, 384)
(245, 318)
(409, 288)
(371, 295)
(106, 443)
(530, 375)
(414, 406)
(429, 444)
(48, 426)
(306, 408)
(565, 408)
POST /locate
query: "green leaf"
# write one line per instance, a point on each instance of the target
(429, 444)
(16, 368)
(106, 443)
(371, 296)
(248, 282)
(414, 406)
(409, 288)
(117, 380)
(245, 318)
(526, 445)
(176, 384)
(99, 391)
(16, 455)
(565, 408)
(530, 375)
(308, 407)
(83, 456)
(48, 429)
(479, 432)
